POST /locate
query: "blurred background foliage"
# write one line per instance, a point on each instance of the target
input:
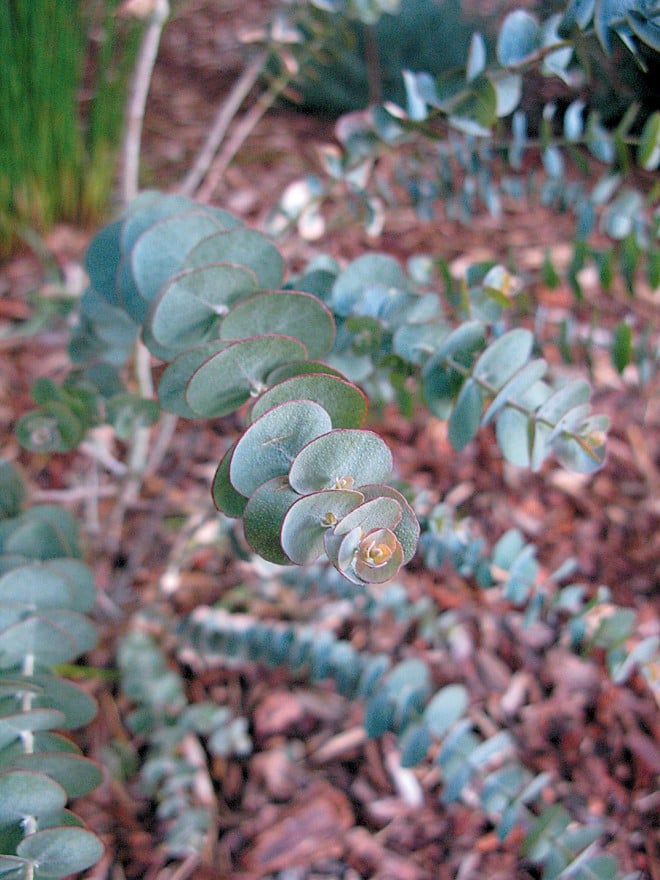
(358, 63)
(64, 66)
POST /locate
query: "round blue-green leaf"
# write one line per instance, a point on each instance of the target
(78, 628)
(519, 383)
(159, 252)
(372, 672)
(225, 497)
(26, 793)
(508, 92)
(244, 247)
(440, 382)
(504, 357)
(77, 775)
(341, 550)
(35, 586)
(57, 818)
(64, 528)
(11, 613)
(476, 60)
(366, 272)
(189, 307)
(173, 382)
(263, 517)
(376, 513)
(341, 459)
(577, 12)
(75, 704)
(12, 685)
(79, 579)
(379, 714)
(309, 518)
(43, 741)
(465, 416)
(645, 26)
(408, 677)
(417, 342)
(225, 381)
(51, 428)
(151, 206)
(301, 368)
(48, 643)
(344, 402)
(573, 121)
(518, 38)
(585, 452)
(415, 744)
(445, 708)
(513, 427)
(14, 724)
(102, 261)
(290, 313)
(60, 851)
(270, 444)
(562, 400)
(407, 529)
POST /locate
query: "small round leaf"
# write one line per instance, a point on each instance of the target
(344, 402)
(263, 517)
(227, 379)
(341, 459)
(272, 442)
(290, 313)
(26, 793)
(308, 519)
(60, 851)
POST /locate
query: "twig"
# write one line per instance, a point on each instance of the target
(138, 98)
(70, 496)
(241, 133)
(138, 455)
(224, 117)
(161, 444)
(109, 462)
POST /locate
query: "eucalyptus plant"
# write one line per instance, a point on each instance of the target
(206, 303)
(46, 593)
(462, 136)
(208, 297)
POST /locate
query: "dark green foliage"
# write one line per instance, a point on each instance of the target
(355, 63)
(57, 155)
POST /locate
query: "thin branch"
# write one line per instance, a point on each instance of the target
(224, 117)
(138, 98)
(139, 452)
(70, 496)
(241, 133)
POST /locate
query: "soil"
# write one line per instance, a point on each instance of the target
(315, 799)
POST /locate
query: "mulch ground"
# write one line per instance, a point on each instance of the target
(315, 799)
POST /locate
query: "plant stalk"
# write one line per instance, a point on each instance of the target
(138, 98)
(223, 119)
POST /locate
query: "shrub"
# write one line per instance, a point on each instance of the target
(295, 360)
